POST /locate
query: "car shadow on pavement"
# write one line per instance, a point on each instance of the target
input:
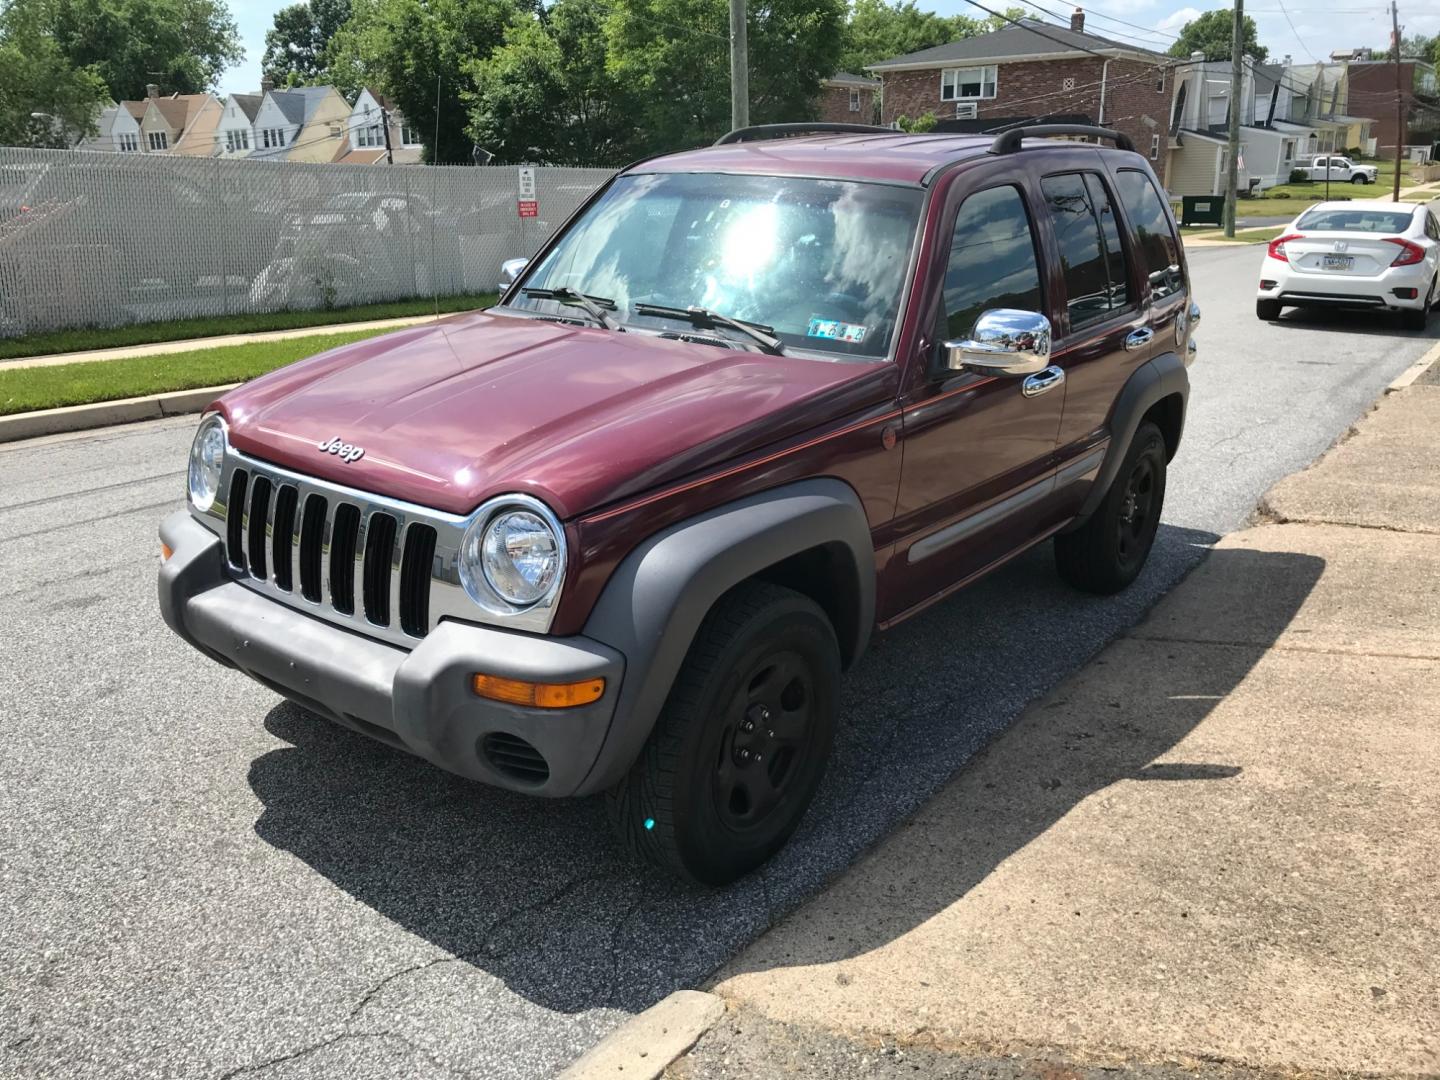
(1365, 323)
(1132, 708)
(535, 893)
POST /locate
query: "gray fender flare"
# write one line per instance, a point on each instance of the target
(1153, 381)
(657, 597)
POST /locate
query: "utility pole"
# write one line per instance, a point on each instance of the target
(739, 67)
(385, 123)
(1237, 67)
(1399, 100)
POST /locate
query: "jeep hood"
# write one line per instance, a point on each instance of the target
(457, 411)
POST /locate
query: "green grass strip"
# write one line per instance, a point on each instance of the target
(50, 386)
(63, 341)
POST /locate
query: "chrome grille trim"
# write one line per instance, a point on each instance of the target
(445, 597)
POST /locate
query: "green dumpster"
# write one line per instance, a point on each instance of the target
(1202, 210)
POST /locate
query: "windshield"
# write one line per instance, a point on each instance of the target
(821, 263)
(1367, 221)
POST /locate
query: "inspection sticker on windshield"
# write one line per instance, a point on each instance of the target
(836, 330)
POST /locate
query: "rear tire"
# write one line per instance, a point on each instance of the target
(1108, 552)
(1269, 310)
(1415, 318)
(742, 742)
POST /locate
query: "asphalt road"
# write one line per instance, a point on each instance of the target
(198, 880)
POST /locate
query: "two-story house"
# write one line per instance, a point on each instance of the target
(235, 134)
(179, 123)
(847, 99)
(278, 121)
(1035, 71)
(1372, 86)
(367, 143)
(1271, 142)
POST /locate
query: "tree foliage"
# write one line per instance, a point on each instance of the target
(546, 95)
(674, 57)
(1213, 34)
(879, 30)
(181, 45)
(37, 78)
(420, 53)
(295, 45)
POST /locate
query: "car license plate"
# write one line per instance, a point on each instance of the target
(1339, 262)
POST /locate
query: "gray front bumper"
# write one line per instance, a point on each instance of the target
(419, 700)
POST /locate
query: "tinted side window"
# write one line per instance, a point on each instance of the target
(1154, 239)
(992, 260)
(1110, 230)
(1077, 232)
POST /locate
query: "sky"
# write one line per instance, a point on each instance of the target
(1306, 30)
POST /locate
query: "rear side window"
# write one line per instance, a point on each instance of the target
(992, 260)
(1158, 250)
(1082, 253)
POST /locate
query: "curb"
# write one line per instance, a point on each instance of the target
(31, 425)
(1415, 370)
(645, 1045)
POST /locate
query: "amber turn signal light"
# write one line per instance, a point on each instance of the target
(538, 695)
(165, 552)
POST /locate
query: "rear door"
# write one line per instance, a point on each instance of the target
(1103, 332)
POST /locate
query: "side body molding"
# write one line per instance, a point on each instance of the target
(1153, 381)
(657, 597)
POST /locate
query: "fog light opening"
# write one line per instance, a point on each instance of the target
(538, 695)
(1266, 284)
(1406, 294)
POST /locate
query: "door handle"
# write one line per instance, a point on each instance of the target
(1138, 339)
(1042, 381)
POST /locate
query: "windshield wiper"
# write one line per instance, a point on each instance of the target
(593, 305)
(705, 319)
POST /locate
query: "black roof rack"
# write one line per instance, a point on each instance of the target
(1009, 142)
(760, 132)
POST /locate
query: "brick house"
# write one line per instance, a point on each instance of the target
(1372, 93)
(848, 99)
(1035, 71)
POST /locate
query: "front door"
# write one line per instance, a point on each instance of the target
(976, 479)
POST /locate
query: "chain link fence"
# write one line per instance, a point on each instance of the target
(103, 239)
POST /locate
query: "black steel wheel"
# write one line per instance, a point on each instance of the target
(1109, 550)
(742, 742)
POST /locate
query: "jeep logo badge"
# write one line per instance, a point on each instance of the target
(343, 450)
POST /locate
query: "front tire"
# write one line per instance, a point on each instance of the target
(1108, 552)
(1269, 310)
(742, 742)
(1360, 179)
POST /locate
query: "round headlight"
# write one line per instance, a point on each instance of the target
(515, 555)
(207, 456)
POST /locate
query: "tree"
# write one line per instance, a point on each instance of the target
(674, 57)
(546, 96)
(44, 101)
(1212, 34)
(405, 48)
(878, 30)
(181, 45)
(295, 45)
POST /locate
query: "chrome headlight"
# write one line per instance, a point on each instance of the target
(512, 555)
(207, 456)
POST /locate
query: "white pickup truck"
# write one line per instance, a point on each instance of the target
(1330, 167)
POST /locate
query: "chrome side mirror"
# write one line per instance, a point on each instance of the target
(1005, 341)
(511, 269)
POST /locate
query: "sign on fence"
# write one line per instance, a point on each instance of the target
(104, 239)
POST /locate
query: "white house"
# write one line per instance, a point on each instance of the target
(1270, 142)
(277, 121)
(235, 134)
(366, 127)
(125, 135)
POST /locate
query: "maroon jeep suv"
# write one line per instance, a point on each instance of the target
(623, 532)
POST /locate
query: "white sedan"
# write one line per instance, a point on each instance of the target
(1364, 253)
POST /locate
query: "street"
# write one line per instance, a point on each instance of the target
(201, 880)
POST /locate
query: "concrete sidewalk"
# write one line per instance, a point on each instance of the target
(160, 348)
(1213, 849)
